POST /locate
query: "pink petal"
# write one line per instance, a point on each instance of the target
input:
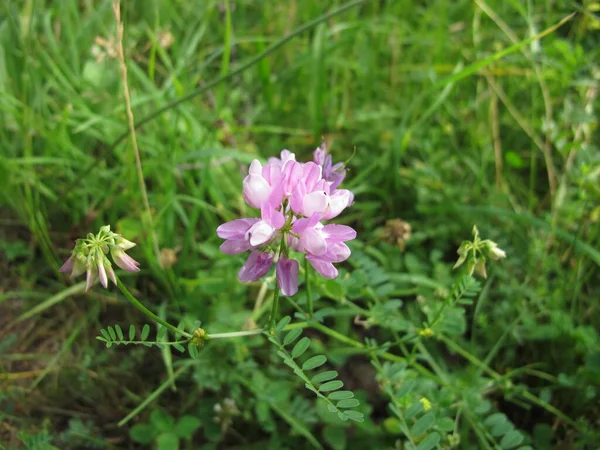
(102, 275)
(259, 233)
(272, 216)
(235, 246)
(287, 276)
(339, 200)
(315, 203)
(111, 274)
(338, 233)
(255, 190)
(336, 252)
(92, 276)
(313, 242)
(311, 174)
(67, 267)
(255, 168)
(236, 229)
(326, 269)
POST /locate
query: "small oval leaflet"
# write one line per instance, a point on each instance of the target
(423, 424)
(314, 362)
(348, 403)
(119, 332)
(292, 336)
(300, 347)
(145, 332)
(113, 335)
(283, 323)
(511, 439)
(331, 386)
(131, 332)
(341, 395)
(354, 415)
(429, 442)
(324, 376)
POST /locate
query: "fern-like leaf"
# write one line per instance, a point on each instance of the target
(323, 384)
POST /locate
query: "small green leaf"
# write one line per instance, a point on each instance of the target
(108, 344)
(341, 395)
(284, 322)
(324, 376)
(511, 439)
(193, 351)
(119, 333)
(181, 326)
(495, 419)
(142, 432)
(161, 333)
(406, 387)
(113, 335)
(167, 441)
(179, 347)
(502, 428)
(445, 424)
(145, 332)
(105, 334)
(423, 424)
(131, 332)
(413, 410)
(429, 442)
(162, 420)
(355, 415)
(314, 362)
(187, 426)
(300, 347)
(331, 386)
(348, 403)
(292, 336)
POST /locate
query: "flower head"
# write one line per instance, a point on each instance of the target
(294, 198)
(89, 255)
(476, 252)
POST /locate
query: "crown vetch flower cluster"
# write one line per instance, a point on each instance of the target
(89, 255)
(293, 199)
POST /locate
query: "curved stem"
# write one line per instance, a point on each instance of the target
(234, 334)
(135, 302)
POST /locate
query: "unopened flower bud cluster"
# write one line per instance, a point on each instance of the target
(90, 256)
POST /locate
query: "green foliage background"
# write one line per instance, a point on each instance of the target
(453, 115)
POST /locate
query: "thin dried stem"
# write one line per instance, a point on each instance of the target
(130, 120)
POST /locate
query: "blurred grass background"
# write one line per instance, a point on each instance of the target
(444, 128)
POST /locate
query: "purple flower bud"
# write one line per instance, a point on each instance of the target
(287, 276)
(92, 276)
(256, 266)
(102, 272)
(67, 267)
(123, 260)
(256, 190)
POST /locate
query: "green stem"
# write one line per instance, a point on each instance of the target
(274, 311)
(234, 334)
(308, 288)
(149, 313)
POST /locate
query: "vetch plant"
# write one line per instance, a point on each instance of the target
(296, 201)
